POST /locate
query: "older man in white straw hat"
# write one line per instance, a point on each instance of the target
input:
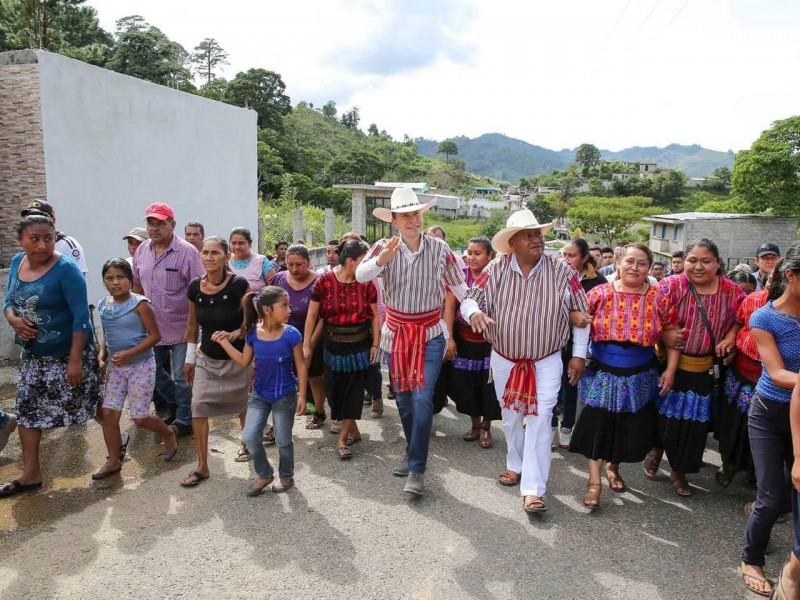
(414, 269)
(522, 303)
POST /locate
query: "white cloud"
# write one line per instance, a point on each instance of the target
(614, 73)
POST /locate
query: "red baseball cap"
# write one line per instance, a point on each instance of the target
(159, 211)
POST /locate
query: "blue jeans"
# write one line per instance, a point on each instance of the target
(416, 408)
(283, 410)
(771, 445)
(173, 387)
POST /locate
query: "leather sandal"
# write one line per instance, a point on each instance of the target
(651, 463)
(680, 485)
(533, 505)
(746, 576)
(614, 480)
(592, 497)
(508, 478)
(473, 434)
(487, 441)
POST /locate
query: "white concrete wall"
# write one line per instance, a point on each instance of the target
(114, 144)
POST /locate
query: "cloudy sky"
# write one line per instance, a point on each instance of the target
(556, 73)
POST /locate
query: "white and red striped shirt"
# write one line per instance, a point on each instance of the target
(414, 282)
(531, 313)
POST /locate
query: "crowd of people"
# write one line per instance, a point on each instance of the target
(657, 355)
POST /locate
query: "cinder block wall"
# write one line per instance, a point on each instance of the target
(22, 164)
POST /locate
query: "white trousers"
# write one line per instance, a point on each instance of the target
(529, 451)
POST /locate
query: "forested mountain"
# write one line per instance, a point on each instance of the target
(505, 158)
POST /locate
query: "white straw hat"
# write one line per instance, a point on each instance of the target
(522, 219)
(404, 200)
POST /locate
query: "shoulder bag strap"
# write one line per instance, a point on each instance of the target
(703, 315)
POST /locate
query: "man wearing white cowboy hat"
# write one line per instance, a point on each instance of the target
(522, 303)
(414, 269)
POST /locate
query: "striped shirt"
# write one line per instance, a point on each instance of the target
(721, 307)
(165, 280)
(531, 313)
(414, 282)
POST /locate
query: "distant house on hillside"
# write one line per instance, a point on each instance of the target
(737, 236)
(648, 169)
(447, 206)
(484, 191)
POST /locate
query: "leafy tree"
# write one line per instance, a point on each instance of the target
(497, 220)
(767, 176)
(666, 188)
(543, 208)
(609, 218)
(596, 187)
(263, 91)
(730, 205)
(142, 50)
(214, 89)
(723, 176)
(373, 130)
(329, 109)
(270, 168)
(63, 26)
(587, 156)
(208, 55)
(351, 118)
(448, 148)
(358, 165)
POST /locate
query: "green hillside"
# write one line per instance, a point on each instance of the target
(499, 156)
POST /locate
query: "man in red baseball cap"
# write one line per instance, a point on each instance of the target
(163, 266)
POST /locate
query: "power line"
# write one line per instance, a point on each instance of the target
(647, 18)
(619, 16)
(677, 14)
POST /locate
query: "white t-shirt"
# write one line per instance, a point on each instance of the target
(69, 247)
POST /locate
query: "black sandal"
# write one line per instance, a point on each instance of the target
(317, 421)
(198, 477)
(15, 487)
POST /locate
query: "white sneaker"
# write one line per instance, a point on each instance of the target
(564, 437)
(554, 442)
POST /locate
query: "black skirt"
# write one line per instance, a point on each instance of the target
(346, 376)
(684, 420)
(468, 380)
(731, 425)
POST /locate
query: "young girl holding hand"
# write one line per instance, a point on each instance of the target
(131, 332)
(276, 347)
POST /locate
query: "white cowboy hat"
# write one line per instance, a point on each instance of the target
(522, 219)
(403, 200)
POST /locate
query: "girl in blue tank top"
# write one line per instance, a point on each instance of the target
(126, 360)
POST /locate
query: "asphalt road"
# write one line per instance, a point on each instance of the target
(346, 530)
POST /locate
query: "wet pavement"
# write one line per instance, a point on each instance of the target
(346, 531)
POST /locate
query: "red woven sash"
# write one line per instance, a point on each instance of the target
(520, 392)
(407, 364)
